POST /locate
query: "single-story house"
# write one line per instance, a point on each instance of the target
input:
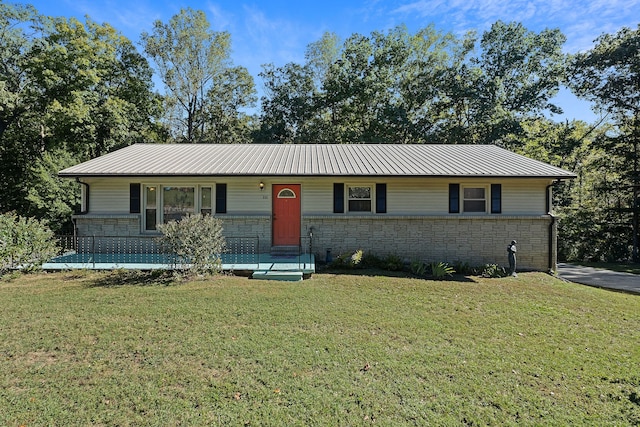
(454, 203)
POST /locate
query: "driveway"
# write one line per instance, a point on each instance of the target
(600, 278)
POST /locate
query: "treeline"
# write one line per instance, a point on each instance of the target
(71, 91)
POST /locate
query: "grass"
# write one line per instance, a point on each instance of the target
(79, 348)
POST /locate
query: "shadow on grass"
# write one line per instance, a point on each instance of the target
(373, 272)
(115, 278)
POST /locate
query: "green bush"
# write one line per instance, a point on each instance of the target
(348, 260)
(493, 271)
(197, 241)
(440, 270)
(25, 243)
(418, 268)
(393, 263)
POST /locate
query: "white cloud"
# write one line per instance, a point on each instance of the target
(580, 20)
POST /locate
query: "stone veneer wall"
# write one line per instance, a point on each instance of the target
(249, 226)
(108, 225)
(475, 240)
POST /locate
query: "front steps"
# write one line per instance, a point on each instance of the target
(285, 276)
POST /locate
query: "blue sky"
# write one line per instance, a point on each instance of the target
(278, 31)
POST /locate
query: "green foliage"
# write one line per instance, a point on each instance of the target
(204, 92)
(197, 241)
(415, 88)
(418, 268)
(52, 198)
(349, 260)
(441, 270)
(25, 243)
(393, 263)
(69, 90)
(464, 268)
(493, 271)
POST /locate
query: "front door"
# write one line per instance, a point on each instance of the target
(286, 215)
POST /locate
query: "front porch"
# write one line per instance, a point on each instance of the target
(141, 253)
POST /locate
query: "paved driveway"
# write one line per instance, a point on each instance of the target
(626, 282)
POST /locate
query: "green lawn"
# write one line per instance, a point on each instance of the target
(341, 350)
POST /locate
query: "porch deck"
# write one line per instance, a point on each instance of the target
(303, 263)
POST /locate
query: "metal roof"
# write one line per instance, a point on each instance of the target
(315, 160)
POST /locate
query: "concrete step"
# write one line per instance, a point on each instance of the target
(287, 276)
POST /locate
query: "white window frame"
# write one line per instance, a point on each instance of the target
(160, 200)
(463, 199)
(372, 198)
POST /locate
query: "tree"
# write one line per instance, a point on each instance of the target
(68, 92)
(193, 63)
(609, 76)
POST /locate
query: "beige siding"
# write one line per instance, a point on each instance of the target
(108, 196)
(405, 196)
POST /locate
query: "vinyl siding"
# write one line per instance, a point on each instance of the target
(405, 196)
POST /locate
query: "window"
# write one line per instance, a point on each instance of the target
(177, 202)
(474, 199)
(359, 199)
(286, 193)
(162, 204)
(205, 200)
(150, 212)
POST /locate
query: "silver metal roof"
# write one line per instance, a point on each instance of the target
(315, 160)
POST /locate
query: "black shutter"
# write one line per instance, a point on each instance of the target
(221, 198)
(338, 198)
(496, 198)
(134, 198)
(381, 198)
(454, 198)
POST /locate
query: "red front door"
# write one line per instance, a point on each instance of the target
(286, 215)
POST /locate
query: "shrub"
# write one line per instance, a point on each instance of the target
(462, 267)
(418, 268)
(348, 260)
(197, 242)
(393, 263)
(493, 271)
(370, 260)
(25, 243)
(440, 270)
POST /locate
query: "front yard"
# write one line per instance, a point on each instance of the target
(76, 348)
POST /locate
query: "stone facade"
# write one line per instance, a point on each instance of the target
(476, 240)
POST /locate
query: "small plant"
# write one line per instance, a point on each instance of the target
(418, 268)
(493, 271)
(348, 260)
(393, 263)
(197, 242)
(464, 268)
(370, 260)
(440, 270)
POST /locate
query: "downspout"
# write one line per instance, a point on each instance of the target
(552, 266)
